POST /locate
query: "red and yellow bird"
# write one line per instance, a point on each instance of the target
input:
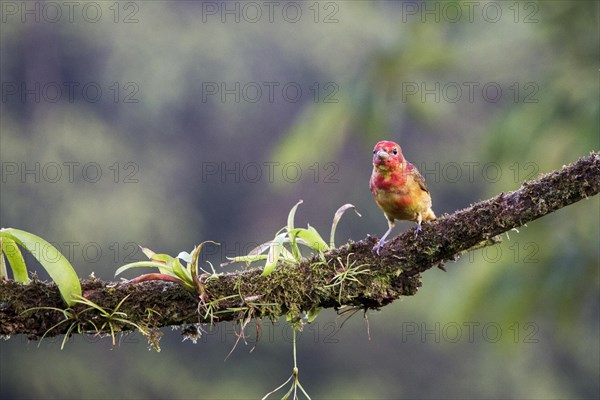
(399, 189)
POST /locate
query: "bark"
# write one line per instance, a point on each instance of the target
(370, 281)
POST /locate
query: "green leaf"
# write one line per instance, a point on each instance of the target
(193, 266)
(248, 258)
(58, 267)
(312, 314)
(259, 249)
(291, 215)
(160, 277)
(181, 272)
(292, 237)
(293, 232)
(149, 253)
(164, 258)
(274, 253)
(3, 273)
(185, 256)
(313, 239)
(141, 264)
(15, 259)
(336, 219)
(196, 254)
(253, 255)
(167, 260)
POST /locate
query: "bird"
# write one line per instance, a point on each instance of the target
(399, 189)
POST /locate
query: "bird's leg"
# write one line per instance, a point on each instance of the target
(391, 226)
(419, 219)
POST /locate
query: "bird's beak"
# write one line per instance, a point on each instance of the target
(383, 155)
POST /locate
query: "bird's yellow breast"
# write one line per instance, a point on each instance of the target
(401, 201)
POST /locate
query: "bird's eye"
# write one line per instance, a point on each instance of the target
(374, 151)
(395, 151)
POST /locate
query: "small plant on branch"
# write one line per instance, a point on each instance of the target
(347, 273)
(293, 390)
(293, 237)
(56, 264)
(170, 268)
(103, 320)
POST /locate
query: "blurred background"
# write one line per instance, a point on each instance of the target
(167, 123)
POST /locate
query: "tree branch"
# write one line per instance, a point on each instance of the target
(348, 276)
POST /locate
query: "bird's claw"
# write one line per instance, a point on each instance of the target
(417, 230)
(379, 245)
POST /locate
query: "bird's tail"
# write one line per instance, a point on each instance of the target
(429, 215)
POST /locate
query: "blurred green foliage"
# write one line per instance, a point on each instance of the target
(179, 166)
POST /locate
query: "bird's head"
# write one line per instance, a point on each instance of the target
(387, 155)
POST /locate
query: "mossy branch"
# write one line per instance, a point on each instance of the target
(349, 276)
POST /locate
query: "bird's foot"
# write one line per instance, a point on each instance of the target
(379, 245)
(418, 230)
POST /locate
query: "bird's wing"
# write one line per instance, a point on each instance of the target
(419, 178)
